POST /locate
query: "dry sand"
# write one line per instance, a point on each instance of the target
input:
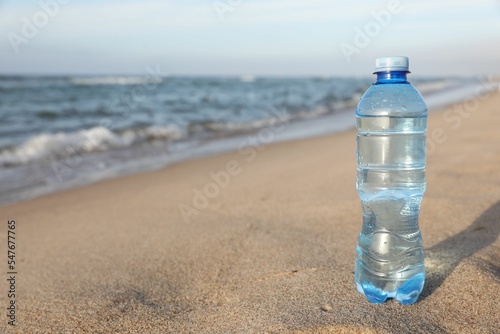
(273, 252)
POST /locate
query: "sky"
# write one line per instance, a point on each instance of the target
(255, 37)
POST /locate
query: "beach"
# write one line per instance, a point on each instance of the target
(260, 240)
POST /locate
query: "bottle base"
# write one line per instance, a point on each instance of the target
(406, 294)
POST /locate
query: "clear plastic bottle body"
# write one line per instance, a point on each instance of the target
(391, 122)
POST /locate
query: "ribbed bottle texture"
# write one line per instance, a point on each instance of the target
(391, 123)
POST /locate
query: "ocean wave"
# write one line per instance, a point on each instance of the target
(116, 81)
(154, 132)
(97, 139)
(231, 127)
(281, 117)
(47, 146)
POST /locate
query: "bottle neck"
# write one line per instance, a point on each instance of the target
(391, 77)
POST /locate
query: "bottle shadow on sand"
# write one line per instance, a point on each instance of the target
(444, 257)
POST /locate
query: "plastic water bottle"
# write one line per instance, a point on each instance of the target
(391, 120)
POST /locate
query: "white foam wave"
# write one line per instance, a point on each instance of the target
(61, 145)
(91, 81)
(155, 132)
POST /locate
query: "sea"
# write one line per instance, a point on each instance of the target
(60, 132)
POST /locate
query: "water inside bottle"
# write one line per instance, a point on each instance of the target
(390, 183)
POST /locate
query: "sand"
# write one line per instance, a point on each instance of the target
(272, 252)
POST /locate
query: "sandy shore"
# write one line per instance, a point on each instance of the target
(273, 251)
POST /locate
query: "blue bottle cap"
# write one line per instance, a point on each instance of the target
(397, 63)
